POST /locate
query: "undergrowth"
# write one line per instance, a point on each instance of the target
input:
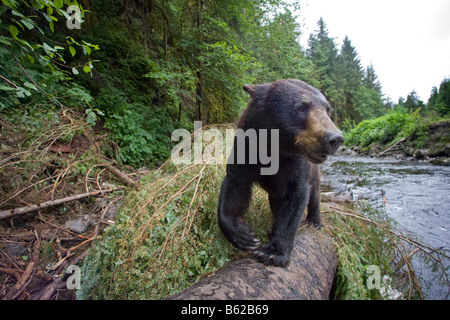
(165, 236)
(54, 157)
(164, 239)
(389, 128)
(360, 244)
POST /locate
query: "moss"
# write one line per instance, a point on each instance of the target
(165, 236)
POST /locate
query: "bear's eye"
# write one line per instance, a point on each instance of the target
(301, 109)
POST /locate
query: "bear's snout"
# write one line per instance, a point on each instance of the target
(332, 141)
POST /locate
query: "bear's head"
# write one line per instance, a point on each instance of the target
(300, 112)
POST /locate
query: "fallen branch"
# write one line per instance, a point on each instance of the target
(48, 292)
(391, 147)
(119, 174)
(13, 213)
(22, 283)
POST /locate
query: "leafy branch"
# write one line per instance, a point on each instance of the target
(16, 27)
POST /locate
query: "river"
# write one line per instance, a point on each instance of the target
(414, 194)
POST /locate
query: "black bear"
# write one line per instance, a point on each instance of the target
(299, 114)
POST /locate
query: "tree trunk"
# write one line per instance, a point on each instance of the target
(309, 276)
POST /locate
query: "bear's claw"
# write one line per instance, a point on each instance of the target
(270, 256)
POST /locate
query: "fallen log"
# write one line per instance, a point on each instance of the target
(12, 213)
(308, 277)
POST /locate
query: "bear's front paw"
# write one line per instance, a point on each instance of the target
(314, 221)
(269, 255)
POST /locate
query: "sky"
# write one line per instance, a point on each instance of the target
(407, 41)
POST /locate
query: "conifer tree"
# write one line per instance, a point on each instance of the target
(322, 53)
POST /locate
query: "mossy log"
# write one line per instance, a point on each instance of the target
(309, 275)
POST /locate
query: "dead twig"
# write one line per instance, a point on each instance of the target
(61, 228)
(12, 213)
(22, 283)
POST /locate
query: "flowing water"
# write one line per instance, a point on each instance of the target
(414, 194)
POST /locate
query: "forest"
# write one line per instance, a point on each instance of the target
(140, 69)
(93, 89)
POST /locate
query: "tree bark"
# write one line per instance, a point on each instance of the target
(309, 275)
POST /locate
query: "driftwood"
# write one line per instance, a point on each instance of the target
(12, 213)
(309, 276)
(392, 147)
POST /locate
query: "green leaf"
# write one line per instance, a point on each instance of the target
(58, 3)
(52, 26)
(13, 30)
(22, 92)
(91, 118)
(28, 23)
(17, 14)
(87, 69)
(75, 71)
(86, 50)
(3, 9)
(72, 51)
(5, 40)
(30, 58)
(43, 61)
(37, 5)
(46, 16)
(29, 85)
(25, 44)
(48, 49)
(5, 88)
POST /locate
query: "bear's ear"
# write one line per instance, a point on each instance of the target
(249, 89)
(256, 90)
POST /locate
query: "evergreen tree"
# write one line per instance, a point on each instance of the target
(443, 100)
(439, 101)
(349, 78)
(277, 48)
(413, 101)
(370, 79)
(322, 53)
(433, 98)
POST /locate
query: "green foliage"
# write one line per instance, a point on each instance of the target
(361, 240)
(165, 64)
(35, 66)
(276, 47)
(391, 127)
(368, 103)
(143, 132)
(413, 102)
(224, 71)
